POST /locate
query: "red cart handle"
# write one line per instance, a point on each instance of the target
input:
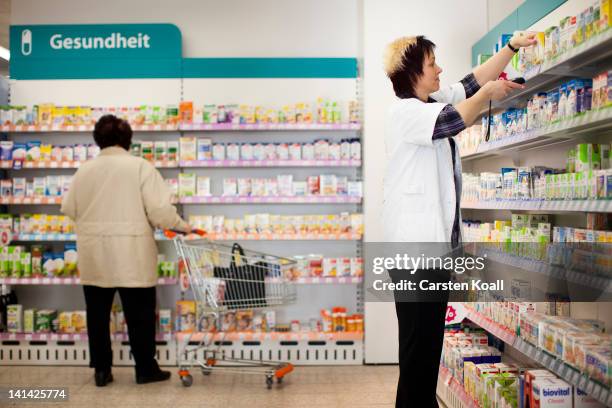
(171, 234)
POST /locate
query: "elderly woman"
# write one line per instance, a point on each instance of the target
(422, 188)
(117, 200)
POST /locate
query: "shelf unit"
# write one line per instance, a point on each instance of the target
(593, 281)
(540, 205)
(320, 199)
(550, 362)
(338, 199)
(452, 393)
(308, 280)
(11, 165)
(579, 61)
(588, 59)
(203, 127)
(597, 120)
(73, 280)
(212, 237)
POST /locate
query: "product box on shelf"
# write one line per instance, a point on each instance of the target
(551, 392)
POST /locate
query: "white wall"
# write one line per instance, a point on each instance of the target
(262, 28)
(453, 27)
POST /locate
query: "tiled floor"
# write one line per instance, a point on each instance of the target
(351, 386)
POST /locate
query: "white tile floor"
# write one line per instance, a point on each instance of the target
(349, 386)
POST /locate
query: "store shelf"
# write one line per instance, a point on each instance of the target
(585, 60)
(268, 126)
(187, 127)
(272, 200)
(565, 371)
(270, 163)
(212, 237)
(451, 392)
(598, 120)
(531, 265)
(69, 336)
(44, 237)
(10, 164)
(491, 326)
(539, 205)
(64, 281)
(329, 280)
(30, 200)
(550, 362)
(280, 336)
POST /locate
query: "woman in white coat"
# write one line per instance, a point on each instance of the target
(117, 200)
(422, 188)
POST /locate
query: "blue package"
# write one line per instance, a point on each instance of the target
(502, 41)
(19, 151)
(6, 150)
(552, 100)
(585, 94)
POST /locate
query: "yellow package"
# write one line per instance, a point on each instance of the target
(45, 152)
(58, 117)
(272, 116)
(289, 113)
(357, 224)
(260, 115)
(71, 115)
(65, 322)
(605, 19)
(45, 114)
(307, 113)
(79, 321)
(36, 224)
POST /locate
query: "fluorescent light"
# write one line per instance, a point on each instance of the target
(4, 53)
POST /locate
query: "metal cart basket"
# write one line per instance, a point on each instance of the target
(226, 279)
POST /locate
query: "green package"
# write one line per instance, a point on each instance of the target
(4, 270)
(26, 264)
(16, 270)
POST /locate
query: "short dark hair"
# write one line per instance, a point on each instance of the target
(404, 80)
(112, 131)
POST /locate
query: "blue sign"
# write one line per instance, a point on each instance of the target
(95, 51)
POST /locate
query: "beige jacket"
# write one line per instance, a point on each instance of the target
(116, 201)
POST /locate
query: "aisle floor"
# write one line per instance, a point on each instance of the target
(350, 386)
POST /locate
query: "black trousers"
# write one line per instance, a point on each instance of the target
(420, 320)
(139, 309)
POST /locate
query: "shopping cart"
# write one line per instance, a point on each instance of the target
(226, 279)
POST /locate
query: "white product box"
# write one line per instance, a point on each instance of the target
(328, 184)
(40, 186)
(583, 400)
(14, 318)
(203, 186)
(218, 151)
(187, 148)
(355, 188)
(204, 149)
(551, 393)
(233, 151)
(230, 187)
(187, 184)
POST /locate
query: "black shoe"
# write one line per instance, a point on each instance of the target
(158, 376)
(103, 378)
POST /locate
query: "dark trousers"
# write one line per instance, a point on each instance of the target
(139, 309)
(420, 319)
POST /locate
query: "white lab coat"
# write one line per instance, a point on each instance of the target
(419, 192)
